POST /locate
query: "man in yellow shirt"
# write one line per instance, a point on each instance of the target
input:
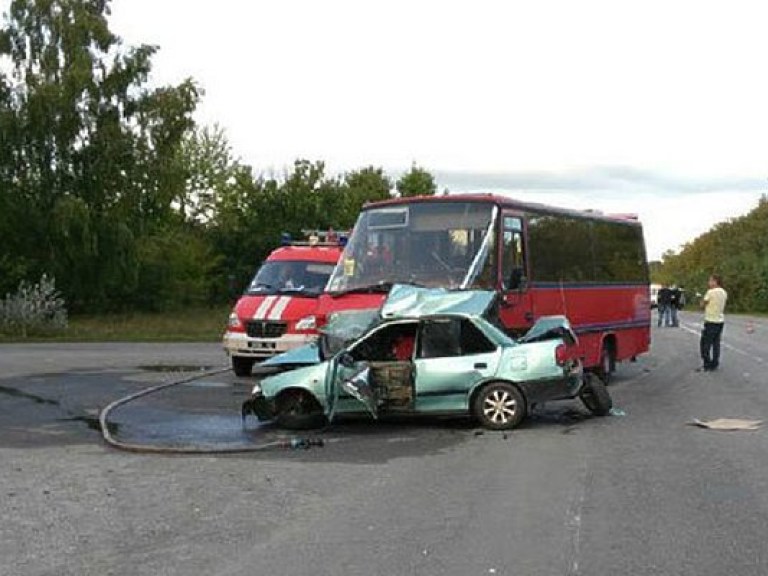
(714, 320)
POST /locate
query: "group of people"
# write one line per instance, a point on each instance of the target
(669, 300)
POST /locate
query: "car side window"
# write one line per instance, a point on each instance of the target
(473, 341)
(386, 344)
(440, 338)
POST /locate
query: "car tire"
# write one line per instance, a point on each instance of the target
(499, 406)
(242, 367)
(595, 396)
(298, 410)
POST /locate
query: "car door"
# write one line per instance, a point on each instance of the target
(348, 387)
(452, 356)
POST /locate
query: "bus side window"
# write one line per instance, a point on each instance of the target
(513, 260)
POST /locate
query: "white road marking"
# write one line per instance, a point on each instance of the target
(697, 332)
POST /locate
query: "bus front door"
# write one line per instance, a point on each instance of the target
(516, 310)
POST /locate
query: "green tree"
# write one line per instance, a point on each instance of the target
(416, 182)
(89, 157)
(737, 250)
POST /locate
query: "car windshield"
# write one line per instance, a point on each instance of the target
(433, 244)
(290, 277)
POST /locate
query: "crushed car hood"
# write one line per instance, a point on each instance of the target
(406, 301)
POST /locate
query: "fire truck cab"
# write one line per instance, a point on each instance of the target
(277, 311)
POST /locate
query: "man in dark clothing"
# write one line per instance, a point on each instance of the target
(675, 304)
(663, 302)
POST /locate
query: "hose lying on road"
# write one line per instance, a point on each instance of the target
(151, 448)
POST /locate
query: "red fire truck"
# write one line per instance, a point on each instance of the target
(541, 260)
(277, 311)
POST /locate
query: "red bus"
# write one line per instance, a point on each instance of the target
(540, 259)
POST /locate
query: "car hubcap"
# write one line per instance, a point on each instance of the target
(499, 407)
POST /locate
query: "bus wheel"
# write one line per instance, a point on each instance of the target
(499, 406)
(607, 365)
(595, 396)
(242, 366)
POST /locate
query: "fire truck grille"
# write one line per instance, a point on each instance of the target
(265, 328)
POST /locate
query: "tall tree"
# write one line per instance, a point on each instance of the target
(416, 182)
(89, 155)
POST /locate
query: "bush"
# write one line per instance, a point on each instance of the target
(33, 309)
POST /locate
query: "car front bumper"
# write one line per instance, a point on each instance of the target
(259, 406)
(240, 344)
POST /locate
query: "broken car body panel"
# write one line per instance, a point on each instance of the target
(432, 353)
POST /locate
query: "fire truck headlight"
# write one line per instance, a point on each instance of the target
(307, 323)
(234, 321)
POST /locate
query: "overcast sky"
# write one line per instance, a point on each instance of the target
(657, 107)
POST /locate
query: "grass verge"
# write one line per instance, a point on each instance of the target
(194, 325)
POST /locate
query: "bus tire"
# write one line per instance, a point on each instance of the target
(595, 396)
(607, 365)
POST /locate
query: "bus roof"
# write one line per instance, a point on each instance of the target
(506, 202)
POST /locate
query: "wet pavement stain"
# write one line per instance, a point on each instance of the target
(93, 423)
(173, 368)
(15, 392)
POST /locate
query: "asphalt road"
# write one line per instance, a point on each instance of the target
(642, 493)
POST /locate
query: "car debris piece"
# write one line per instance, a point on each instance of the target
(727, 424)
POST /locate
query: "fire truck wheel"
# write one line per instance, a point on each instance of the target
(242, 366)
(298, 410)
(595, 396)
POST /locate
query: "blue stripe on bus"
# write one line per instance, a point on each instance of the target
(602, 327)
(584, 286)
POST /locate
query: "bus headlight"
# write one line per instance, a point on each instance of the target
(307, 323)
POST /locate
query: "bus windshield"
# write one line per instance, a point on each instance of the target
(433, 244)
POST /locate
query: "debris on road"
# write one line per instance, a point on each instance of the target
(617, 412)
(304, 443)
(727, 424)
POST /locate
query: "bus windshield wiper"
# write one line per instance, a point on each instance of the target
(380, 287)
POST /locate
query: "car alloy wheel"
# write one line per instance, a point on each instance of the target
(499, 406)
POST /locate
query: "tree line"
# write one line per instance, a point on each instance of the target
(737, 250)
(109, 186)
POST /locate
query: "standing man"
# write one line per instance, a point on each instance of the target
(663, 302)
(675, 304)
(714, 319)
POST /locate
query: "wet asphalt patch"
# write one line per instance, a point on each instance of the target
(205, 413)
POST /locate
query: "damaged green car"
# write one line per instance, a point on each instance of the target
(434, 352)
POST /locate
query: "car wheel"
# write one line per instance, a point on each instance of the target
(595, 396)
(499, 406)
(298, 410)
(605, 371)
(242, 366)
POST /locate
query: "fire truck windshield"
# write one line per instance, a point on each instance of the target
(290, 276)
(433, 244)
